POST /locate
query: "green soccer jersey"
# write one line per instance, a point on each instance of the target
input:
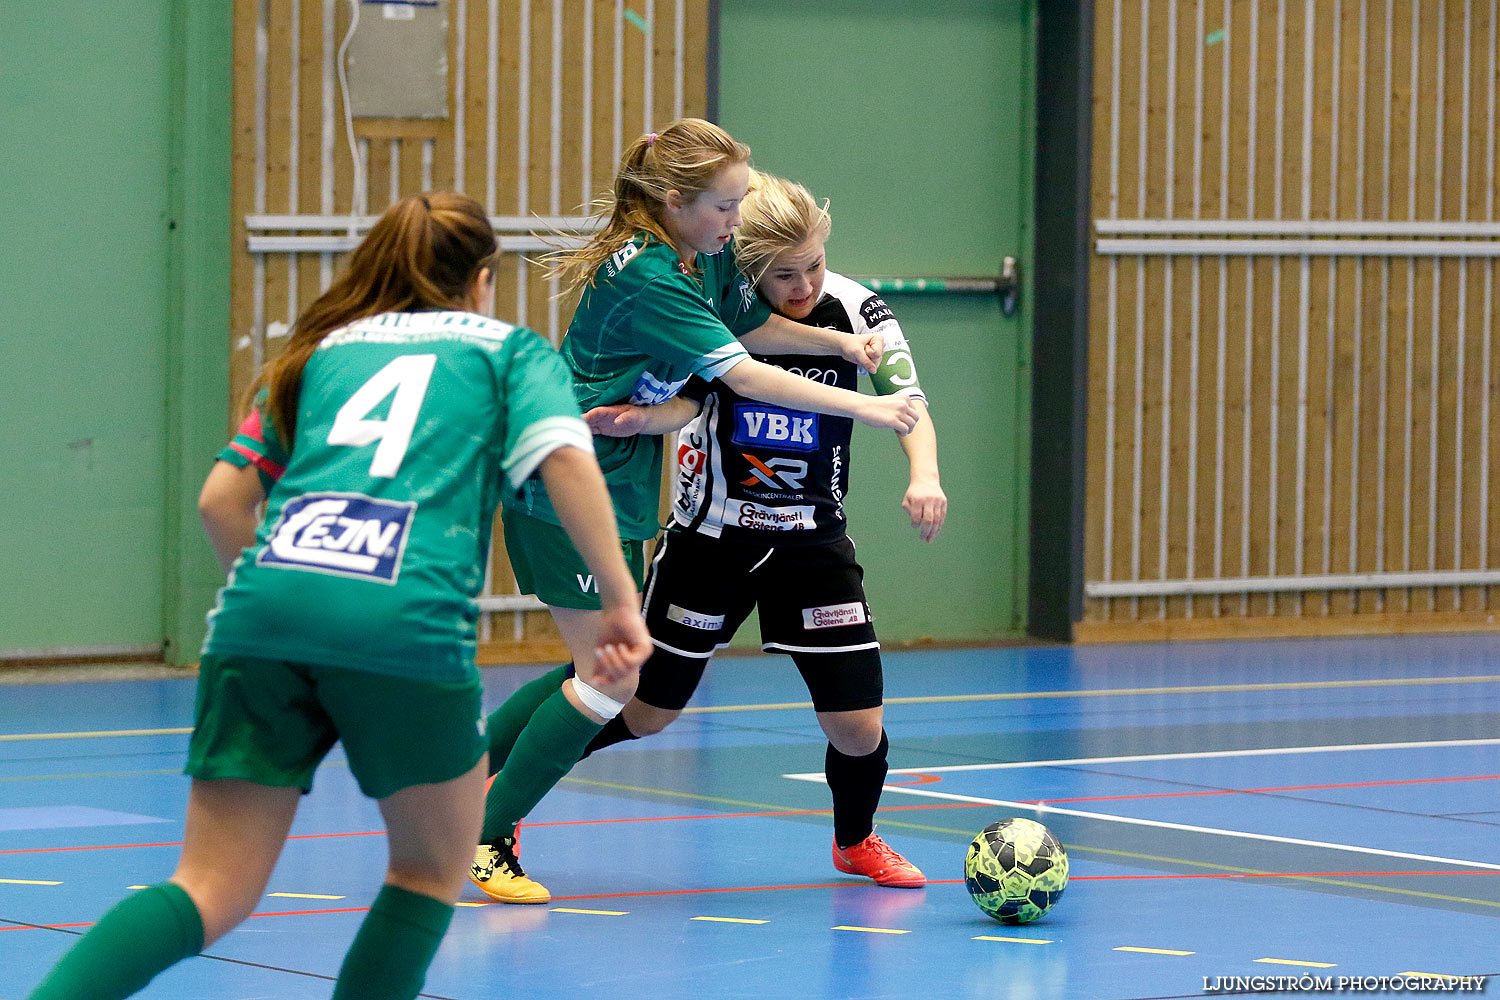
(376, 537)
(643, 327)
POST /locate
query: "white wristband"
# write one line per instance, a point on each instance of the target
(597, 702)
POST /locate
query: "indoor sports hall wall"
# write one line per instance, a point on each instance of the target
(1293, 312)
(113, 306)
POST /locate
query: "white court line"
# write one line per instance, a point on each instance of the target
(1194, 755)
(1043, 809)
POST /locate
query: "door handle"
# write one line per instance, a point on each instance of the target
(1008, 287)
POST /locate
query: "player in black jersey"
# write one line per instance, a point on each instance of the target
(758, 520)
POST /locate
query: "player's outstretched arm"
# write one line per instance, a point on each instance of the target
(576, 487)
(779, 335)
(770, 384)
(925, 502)
(229, 506)
(624, 419)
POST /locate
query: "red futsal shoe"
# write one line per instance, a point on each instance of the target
(873, 858)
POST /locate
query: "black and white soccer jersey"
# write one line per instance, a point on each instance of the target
(747, 469)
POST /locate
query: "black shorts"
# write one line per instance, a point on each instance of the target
(699, 590)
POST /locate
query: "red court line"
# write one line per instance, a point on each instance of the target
(1117, 878)
(829, 812)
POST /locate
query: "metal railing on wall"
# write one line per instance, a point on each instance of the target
(1298, 239)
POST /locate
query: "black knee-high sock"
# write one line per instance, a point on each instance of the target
(614, 731)
(855, 783)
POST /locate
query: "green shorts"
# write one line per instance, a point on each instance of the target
(547, 565)
(273, 721)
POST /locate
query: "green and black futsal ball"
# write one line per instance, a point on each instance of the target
(1016, 870)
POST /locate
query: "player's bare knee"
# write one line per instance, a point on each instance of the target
(648, 720)
(856, 743)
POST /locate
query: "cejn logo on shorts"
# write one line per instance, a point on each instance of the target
(834, 615)
(341, 534)
(771, 426)
(760, 518)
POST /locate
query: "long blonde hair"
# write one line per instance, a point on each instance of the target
(423, 252)
(685, 156)
(776, 216)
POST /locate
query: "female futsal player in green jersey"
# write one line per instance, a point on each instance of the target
(758, 521)
(661, 301)
(406, 413)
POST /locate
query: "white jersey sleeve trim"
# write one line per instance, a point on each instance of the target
(540, 440)
(716, 363)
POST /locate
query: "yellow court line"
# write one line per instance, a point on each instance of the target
(1305, 965)
(1156, 951)
(303, 895)
(732, 920)
(593, 913)
(465, 903)
(99, 734)
(25, 881)
(939, 699)
(1011, 940)
(870, 930)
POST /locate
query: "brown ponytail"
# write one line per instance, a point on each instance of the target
(424, 252)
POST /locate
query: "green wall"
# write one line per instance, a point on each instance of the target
(94, 292)
(914, 119)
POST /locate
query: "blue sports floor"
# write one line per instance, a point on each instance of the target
(1236, 814)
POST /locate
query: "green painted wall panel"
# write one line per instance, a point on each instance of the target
(914, 119)
(83, 303)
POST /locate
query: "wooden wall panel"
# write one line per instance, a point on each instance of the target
(543, 96)
(1291, 413)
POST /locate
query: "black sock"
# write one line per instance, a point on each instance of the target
(614, 731)
(855, 783)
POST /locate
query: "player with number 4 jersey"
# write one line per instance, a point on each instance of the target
(392, 422)
(375, 539)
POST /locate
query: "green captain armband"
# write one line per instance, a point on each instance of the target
(897, 373)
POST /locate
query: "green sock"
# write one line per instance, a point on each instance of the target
(395, 944)
(506, 722)
(546, 750)
(143, 934)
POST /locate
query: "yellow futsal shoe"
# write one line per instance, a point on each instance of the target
(500, 877)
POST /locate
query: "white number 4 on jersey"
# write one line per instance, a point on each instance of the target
(407, 376)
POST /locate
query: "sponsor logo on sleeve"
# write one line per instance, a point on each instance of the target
(692, 461)
(756, 424)
(875, 311)
(694, 619)
(650, 390)
(838, 481)
(834, 615)
(341, 534)
(760, 518)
